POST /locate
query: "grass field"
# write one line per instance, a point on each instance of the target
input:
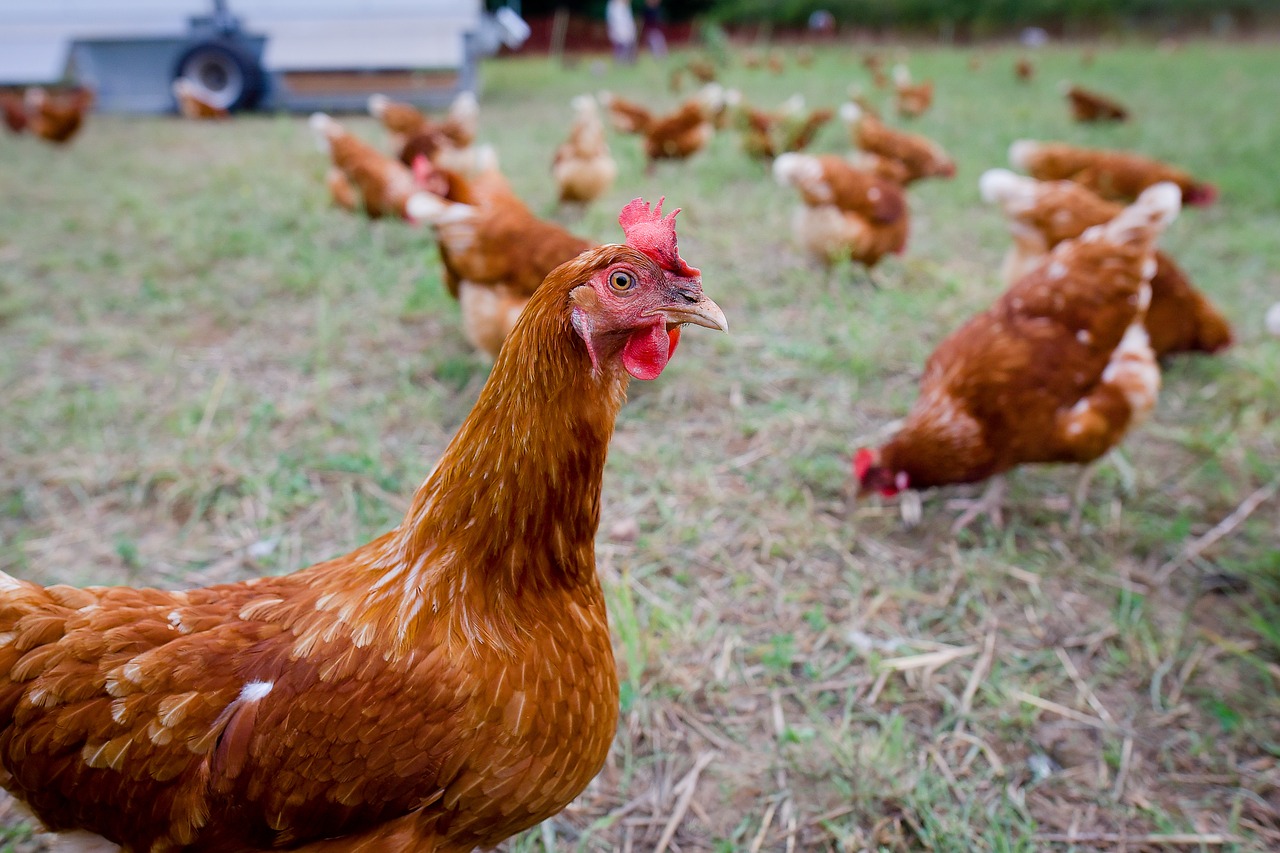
(208, 374)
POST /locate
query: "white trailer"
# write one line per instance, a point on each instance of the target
(286, 54)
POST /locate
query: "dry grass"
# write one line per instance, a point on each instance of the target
(208, 374)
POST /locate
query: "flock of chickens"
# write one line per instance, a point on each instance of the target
(452, 682)
(1073, 346)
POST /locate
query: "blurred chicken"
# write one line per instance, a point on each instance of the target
(1058, 370)
(626, 116)
(361, 176)
(193, 102)
(57, 117)
(895, 154)
(1024, 69)
(756, 130)
(462, 122)
(703, 69)
(874, 63)
(804, 56)
(494, 250)
(448, 142)
(1115, 175)
(1087, 106)
(583, 168)
(1273, 320)
(400, 120)
(792, 128)
(14, 108)
(687, 131)
(913, 99)
(774, 62)
(1043, 214)
(845, 212)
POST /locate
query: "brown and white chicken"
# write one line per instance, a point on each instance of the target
(845, 211)
(1059, 369)
(583, 168)
(1043, 214)
(57, 116)
(494, 250)
(913, 99)
(894, 154)
(448, 142)
(361, 177)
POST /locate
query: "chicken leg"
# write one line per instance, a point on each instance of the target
(991, 504)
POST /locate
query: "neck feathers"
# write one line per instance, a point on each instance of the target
(510, 513)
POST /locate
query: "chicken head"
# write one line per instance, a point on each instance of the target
(636, 297)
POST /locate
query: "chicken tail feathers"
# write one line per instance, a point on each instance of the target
(1014, 193)
(325, 129)
(1022, 154)
(1143, 221)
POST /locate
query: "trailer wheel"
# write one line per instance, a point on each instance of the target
(229, 76)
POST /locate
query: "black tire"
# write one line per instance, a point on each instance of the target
(229, 75)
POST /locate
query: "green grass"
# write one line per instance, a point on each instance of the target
(209, 374)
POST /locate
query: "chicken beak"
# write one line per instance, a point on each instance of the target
(703, 312)
(687, 303)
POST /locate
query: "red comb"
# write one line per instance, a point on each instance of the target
(650, 232)
(862, 462)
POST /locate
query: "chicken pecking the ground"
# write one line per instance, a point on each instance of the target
(894, 154)
(1042, 214)
(57, 116)
(441, 688)
(845, 212)
(1057, 370)
(583, 168)
(913, 99)
(495, 251)
(361, 177)
(1088, 106)
(1114, 175)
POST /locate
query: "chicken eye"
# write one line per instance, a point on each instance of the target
(621, 280)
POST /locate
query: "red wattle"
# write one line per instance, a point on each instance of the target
(647, 352)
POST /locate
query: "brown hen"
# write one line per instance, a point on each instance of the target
(439, 689)
(845, 212)
(1057, 370)
(495, 252)
(895, 154)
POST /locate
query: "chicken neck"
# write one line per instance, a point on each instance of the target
(509, 515)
